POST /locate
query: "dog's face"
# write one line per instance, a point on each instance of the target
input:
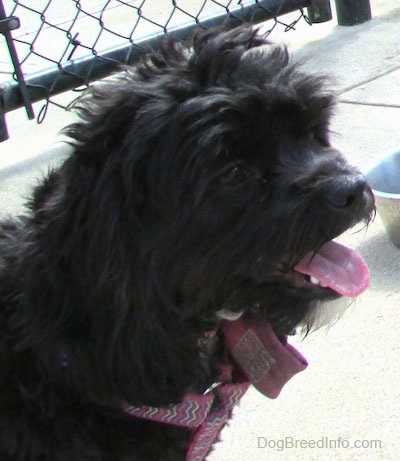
(228, 166)
(244, 184)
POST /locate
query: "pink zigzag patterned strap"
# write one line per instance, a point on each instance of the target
(202, 440)
(196, 412)
(191, 412)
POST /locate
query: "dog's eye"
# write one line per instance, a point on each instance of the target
(233, 175)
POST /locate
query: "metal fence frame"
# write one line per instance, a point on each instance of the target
(25, 89)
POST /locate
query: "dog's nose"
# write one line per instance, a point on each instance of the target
(349, 193)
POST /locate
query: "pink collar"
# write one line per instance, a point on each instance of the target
(257, 357)
(197, 412)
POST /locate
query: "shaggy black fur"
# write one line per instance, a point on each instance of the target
(198, 179)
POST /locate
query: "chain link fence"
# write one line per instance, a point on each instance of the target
(50, 46)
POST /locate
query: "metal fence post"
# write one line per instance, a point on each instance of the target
(351, 12)
(319, 11)
(8, 24)
(3, 124)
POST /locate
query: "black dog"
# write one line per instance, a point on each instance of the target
(161, 267)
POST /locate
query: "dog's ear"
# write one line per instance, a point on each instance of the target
(217, 53)
(276, 54)
(106, 111)
(259, 64)
(222, 40)
(102, 324)
(236, 57)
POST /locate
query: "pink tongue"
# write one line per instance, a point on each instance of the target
(337, 267)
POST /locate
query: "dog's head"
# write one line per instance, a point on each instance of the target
(203, 186)
(270, 191)
(226, 158)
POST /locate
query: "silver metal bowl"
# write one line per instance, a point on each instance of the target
(384, 179)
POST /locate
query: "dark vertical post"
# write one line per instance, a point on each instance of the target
(319, 11)
(3, 123)
(9, 24)
(351, 12)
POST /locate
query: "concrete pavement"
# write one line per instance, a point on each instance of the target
(346, 405)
